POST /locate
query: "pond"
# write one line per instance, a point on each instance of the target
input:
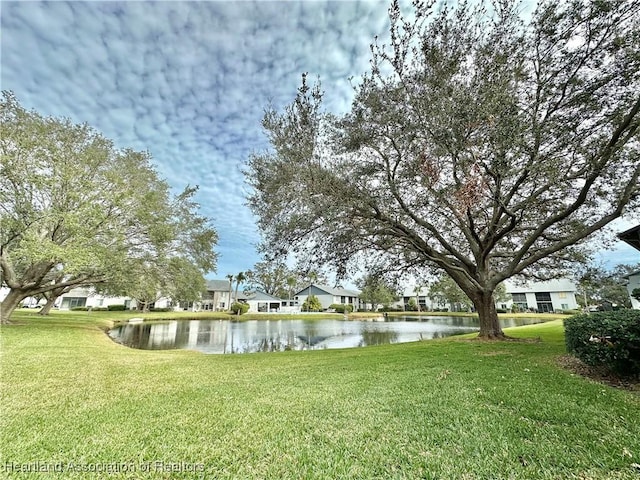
(225, 336)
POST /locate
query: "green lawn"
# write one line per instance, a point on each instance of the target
(447, 409)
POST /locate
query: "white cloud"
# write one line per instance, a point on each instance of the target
(188, 81)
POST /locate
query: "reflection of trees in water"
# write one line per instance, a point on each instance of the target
(377, 337)
(221, 336)
(147, 336)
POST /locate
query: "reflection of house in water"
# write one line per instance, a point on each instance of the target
(224, 336)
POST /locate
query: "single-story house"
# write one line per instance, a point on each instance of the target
(261, 302)
(87, 297)
(329, 296)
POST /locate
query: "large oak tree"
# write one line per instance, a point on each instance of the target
(479, 144)
(76, 211)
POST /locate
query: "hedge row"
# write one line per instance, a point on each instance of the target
(341, 307)
(609, 339)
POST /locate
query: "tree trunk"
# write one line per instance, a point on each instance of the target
(9, 304)
(48, 306)
(489, 324)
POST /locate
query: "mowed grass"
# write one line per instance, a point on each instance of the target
(444, 409)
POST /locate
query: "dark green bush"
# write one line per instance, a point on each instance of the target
(501, 310)
(163, 309)
(79, 309)
(609, 339)
(116, 308)
(341, 308)
(239, 307)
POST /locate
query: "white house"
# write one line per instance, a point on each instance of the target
(87, 297)
(632, 237)
(530, 296)
(261, 302)
(218, 296)
(633, 282)
(420, 297)
(549, 296)
(329, 296)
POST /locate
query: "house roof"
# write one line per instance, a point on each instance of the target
(632, 274)
(218, 285)
(338, 292)
(631, 236)
(259, 295)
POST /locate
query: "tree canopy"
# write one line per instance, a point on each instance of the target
(597, 284)
(276, 278)
(76, 211)
(478, 144)
(374, 290)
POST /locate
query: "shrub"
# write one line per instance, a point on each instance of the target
(570, 312)
(239, 308)
(79, 309)
(312, 304)
(501, 310)
(116, 308)
(341, 308)
(609, 339)
(391, 308)
(164, 309)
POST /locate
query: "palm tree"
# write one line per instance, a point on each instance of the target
(240, 277)
(291, 283)
(417, 292)
(230, 278)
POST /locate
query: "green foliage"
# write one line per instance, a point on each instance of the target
(341, 307)
(599, 285)
(445, 291)
(375, 291)
(78, 211)
(479, 143)
(350, 414)
(312, 304)
(239, 308)
(412, 305)
(635, 293)
(609, 339)
(116, 308)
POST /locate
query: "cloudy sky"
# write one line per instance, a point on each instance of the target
(189, 81)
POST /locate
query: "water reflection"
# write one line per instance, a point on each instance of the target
(224, 336)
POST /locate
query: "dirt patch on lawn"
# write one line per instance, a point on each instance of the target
(599, 374)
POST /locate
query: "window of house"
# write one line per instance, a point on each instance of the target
(543, 301)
